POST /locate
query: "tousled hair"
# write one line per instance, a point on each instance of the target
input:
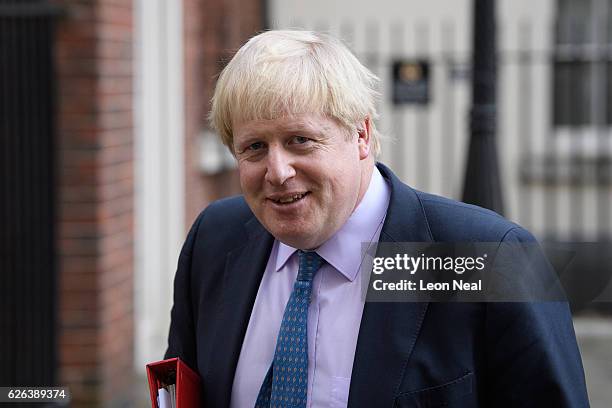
(287, 72)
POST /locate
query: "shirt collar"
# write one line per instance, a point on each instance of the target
(343, 250)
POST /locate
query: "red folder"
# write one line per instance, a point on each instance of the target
(175, 371)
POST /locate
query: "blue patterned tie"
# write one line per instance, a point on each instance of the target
(285, 384)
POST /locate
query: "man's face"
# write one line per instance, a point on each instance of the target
(301, 175)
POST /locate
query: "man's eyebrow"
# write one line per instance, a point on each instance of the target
(302, 126)
(246, 140)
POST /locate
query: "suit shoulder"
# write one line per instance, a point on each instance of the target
(451, 220)
(227, 210)
(224, 220)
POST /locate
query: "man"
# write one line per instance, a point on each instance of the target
(268, 305)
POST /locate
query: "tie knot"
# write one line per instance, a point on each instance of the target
(310, 262)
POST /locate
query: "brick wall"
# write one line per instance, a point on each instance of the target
(214, 30)
(115, 195)
(95, 129)
(94, 57)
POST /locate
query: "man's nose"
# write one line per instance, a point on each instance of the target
(280, 167)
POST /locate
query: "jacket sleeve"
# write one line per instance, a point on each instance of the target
(181, 339)
(532, 355)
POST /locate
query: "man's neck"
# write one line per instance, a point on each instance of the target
(367, 168)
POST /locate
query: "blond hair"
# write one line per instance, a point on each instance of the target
(285, 72)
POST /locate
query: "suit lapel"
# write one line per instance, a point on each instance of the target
(244, 269)
(389, 331)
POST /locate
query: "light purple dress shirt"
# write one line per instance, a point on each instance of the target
(334, 315)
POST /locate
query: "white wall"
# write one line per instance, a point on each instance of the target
(412, 29)
(381, 31)
(159, 170)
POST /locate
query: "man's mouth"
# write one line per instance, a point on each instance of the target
(289, 199)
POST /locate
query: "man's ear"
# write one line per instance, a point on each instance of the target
(363, 138)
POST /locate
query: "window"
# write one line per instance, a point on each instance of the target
(582, 88)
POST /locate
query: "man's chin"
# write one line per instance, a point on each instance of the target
(298, 239)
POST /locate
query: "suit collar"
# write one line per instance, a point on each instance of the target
(363, 225)
(244, 269)
(406, 220)
(389, 331)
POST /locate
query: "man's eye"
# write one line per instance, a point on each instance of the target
(255, 146)
(299, 139)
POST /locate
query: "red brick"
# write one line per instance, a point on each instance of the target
(114, 32)
(114, 243)
(78, 354)
(114, 208)
(78, 193)
(116, 137)
(122, 259)
(95, 68)
(79, 247)
(116, 190)
(115, 50)
(117, 102)
(112, 156)
(108, 67)
(116, 14)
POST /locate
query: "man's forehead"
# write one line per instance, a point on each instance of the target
(313, 122)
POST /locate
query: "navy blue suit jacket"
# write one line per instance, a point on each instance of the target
(408, 354)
